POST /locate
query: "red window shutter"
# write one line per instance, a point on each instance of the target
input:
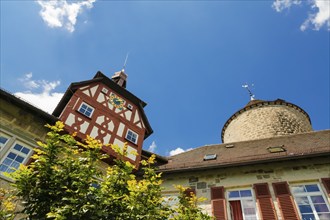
(217, 192)
(265, 203)
(326, 184)
(219, 209)
(218, 203)
(285, 201)
(189, 191)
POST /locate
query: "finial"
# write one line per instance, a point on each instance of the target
(124, 66)
(246, 86)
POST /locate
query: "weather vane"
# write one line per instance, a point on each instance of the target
(124, 66)
(246, 86)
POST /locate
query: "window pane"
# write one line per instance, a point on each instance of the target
(18, 147)
(233, 194)
(324, 216)
(249, 211)
(308, 217)
(312, 188)
(3, 168)
(11, 155)
(246, 193)
(303, 200)
(305, 209)
(19, 159)
(248, 203)
(317, 199)
(250, 218)
(298, 189)
(3, 140)
(25, 150)
(321, 208)
(7, 161)
(15, 165)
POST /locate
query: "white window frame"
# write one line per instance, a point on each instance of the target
(9, 147)
(84, 112)
(129, 139)
(4, 135)
(308, 195)
(242, 199)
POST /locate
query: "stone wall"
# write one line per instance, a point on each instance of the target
(265, 122)
(294, 171)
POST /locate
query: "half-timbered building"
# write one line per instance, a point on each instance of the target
(103, 109)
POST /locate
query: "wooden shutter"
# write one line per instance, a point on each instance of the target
(218, 203)
(189, 191)
(326, 184)
(264, 200)
(285, 201)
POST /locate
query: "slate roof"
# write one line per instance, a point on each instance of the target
(27, 106)
(311, 144)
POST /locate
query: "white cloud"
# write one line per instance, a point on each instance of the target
(63, 13)
(45, 99)
(319, 17)
(280, 5)
(178, 150)
(152, 147)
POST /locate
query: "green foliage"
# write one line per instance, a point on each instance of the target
(7, 204)
(65, 182)
(187, 207)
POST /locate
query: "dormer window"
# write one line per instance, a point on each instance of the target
(86, 110)
(276, 149)
(210, 157)
(132, 136)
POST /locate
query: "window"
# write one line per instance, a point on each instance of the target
(210, 157)
(13, 152)
(242, 205)
(3, 140)
(86, 110)
(311, 202)
(16, 155)
(276, 149)
(132, 136)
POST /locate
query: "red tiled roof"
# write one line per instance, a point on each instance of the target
(311, 144)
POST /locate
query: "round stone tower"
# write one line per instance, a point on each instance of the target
(264, 119)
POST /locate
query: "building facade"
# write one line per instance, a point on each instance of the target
(271, 165)
(103, 109)
(100, 107)
(21, 125)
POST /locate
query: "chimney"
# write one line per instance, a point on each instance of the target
(120, 78)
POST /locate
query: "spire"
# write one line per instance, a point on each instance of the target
(121, 77)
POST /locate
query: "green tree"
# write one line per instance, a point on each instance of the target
(65, 182)
(7, 204)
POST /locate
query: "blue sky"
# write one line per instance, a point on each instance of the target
(187, 59)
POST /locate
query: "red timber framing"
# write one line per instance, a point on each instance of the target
(264, 200)
(326, 184)
(218, 203)
(285, 201)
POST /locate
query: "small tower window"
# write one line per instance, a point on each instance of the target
(132, 136)
(86, 110)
